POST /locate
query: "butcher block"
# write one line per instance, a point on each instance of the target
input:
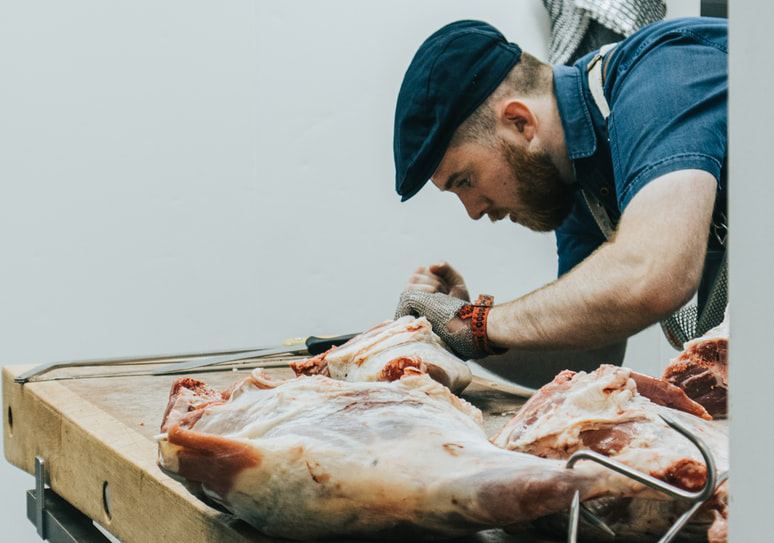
(97, 439)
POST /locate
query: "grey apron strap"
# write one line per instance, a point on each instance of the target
(686, 323)
(598, 212)
(596, 77)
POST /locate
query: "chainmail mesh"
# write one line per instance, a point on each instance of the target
(624, 16)
(714, 311)
(686, 324)
(572, 19)
(439, 310)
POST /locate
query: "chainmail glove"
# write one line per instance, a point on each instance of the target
(453, 319)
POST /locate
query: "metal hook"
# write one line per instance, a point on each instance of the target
(697, 497)
(576, 511)
(648, 480)
(587, 515)
(572, 528)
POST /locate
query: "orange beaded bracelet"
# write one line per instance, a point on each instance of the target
(478, 314)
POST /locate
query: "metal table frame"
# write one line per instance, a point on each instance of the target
(54, 518)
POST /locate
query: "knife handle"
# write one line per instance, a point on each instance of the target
(319, 344)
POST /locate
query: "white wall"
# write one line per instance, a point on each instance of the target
(187, 175)
(751, 246)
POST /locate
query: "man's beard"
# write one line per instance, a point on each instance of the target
(546, 199)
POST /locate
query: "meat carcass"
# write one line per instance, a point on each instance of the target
(702, 369)
(607, 411)
(386, 351)
(313, 457)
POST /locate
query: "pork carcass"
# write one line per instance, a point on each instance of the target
(701, 370)
(386, 351)
(313, 457)
(616, 412)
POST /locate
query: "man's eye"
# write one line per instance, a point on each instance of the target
(464, 182)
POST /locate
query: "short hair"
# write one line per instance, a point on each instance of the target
(529, 77)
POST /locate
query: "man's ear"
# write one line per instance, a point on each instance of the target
(516, 116)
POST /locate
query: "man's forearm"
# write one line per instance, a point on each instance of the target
(593, 305)
(649, 269)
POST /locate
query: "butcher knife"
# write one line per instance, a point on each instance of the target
(311, 345)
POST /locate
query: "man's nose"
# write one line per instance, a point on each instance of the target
(474, 206)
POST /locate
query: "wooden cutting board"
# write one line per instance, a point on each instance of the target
(97, 439)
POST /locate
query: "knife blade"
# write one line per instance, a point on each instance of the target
(120, 361)
(312, 345)
(277, 362)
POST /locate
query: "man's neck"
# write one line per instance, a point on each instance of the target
(556, 144)
(553, 138)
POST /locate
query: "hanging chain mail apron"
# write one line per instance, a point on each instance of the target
(686, 323)
(580, 26)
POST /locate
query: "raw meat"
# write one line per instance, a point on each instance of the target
(702, 370)
(606, 411)
(312, 457)
(386, 351)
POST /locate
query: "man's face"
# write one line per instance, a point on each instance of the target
(504, 180)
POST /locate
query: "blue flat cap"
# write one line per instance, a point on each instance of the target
(453, 72)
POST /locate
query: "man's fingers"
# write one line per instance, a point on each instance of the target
(442, 269)
(422, 287)
(423, 279)
(439, 277)
(446, 273)
(452, 281)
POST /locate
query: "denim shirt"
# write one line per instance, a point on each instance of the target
(667, 87)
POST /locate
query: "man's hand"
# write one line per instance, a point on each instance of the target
(441, 310)
(440, 277)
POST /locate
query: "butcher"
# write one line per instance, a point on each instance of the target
(622, 154)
